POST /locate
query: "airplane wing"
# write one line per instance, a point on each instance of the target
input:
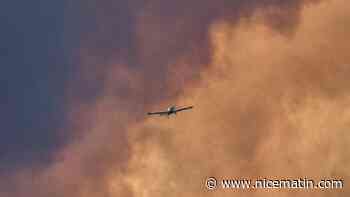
(184, 108)
(158, 113)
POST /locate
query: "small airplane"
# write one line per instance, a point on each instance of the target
(171, 110)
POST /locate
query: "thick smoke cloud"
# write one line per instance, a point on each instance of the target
(270, 106)
(166, 43)
(268, 80)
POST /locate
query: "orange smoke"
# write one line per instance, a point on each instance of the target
(268, 80)
(268, 106)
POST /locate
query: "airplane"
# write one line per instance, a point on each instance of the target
(171, 110)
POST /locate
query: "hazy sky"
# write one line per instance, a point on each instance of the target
(33, 73)
(268, 79)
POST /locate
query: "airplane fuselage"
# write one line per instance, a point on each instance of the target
(171, 110)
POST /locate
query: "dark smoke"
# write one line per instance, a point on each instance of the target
(134, 56)
(150, 38)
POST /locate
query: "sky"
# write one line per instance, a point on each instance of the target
(34, 68)
(268, 80)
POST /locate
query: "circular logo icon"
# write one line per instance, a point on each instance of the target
(211, 183)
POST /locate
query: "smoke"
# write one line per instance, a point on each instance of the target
(269, 105)
(268, 80)
(164, 44)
